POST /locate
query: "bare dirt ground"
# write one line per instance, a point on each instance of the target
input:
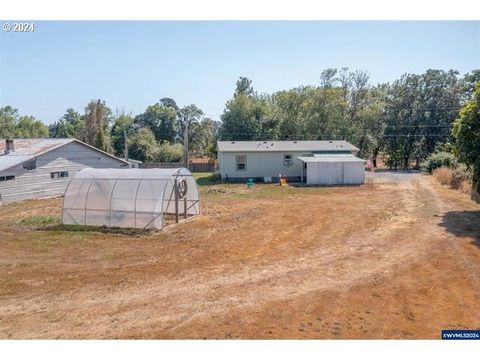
(399, 259)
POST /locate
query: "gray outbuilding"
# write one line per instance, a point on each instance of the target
(39, 168)
(332, 170)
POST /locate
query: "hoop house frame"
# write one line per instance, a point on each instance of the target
(130, 198)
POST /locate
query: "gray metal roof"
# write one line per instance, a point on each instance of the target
(26, 149)
(6, 162)
(330, 158)
(266, 146)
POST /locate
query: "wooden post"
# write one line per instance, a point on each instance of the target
(126, 144)
(185, 142)
(176, 200)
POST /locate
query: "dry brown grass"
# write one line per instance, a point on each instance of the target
(443, 175)
(266, 262)
(457, 179)
(465, 187)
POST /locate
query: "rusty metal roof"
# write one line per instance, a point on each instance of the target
(25, 149)
(32, 147)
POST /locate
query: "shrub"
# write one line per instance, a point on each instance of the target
(437, 160)
(465, 187)
(443, 175)
(169, 152)
(460, 175)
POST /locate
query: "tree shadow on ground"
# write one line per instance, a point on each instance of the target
(463, 223)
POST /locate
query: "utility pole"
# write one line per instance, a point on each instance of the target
(185, 141)
(125, 141)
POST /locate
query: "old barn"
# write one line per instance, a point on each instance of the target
(38, 168)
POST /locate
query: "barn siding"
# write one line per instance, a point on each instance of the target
(37, 183)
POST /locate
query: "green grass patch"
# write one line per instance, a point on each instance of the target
(102, 229)
(40, 220)
(259, 191)
(204, 179)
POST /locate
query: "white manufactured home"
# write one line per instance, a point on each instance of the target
(38, 168)
(310, 162)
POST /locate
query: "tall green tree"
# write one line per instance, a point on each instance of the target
(204, 134)
(466, 131)
(328, 78)
(70, 125)
(8, 122)
(169, 102)
(122, 125)
(97, 125)
(420, 110)
(242, 119)
(191, 115)
(290, 107)
(324, 113)
(142, 145)
(14, 126)
(28, 127)
(243, 115)
(244, 87)
(469, 81)
(161, 119)
(169, 152)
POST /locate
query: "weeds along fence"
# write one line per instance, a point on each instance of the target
(193, 167)
(458, 179)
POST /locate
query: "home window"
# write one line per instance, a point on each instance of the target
(59, 174)
(287, 160)
(7, 178)
(241, 161)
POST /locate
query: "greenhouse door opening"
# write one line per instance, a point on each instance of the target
(130, 198)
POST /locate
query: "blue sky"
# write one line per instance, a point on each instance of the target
(131, 65)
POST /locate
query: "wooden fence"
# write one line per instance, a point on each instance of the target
(193, 166)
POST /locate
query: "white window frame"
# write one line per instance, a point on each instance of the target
(287, 162)
(237, 162)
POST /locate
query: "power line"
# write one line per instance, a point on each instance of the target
(418, 126)
(424, 109)
(416, 135)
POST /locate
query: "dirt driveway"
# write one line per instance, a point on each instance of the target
(399, 259)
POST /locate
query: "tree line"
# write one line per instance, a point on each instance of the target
(155, 135)
(405, 120)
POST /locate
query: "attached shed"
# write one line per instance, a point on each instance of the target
(130, 198)
(332, 170)
(39, 168)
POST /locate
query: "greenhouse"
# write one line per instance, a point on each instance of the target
(130, 198)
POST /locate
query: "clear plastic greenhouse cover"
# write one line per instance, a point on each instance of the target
(132, 198)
